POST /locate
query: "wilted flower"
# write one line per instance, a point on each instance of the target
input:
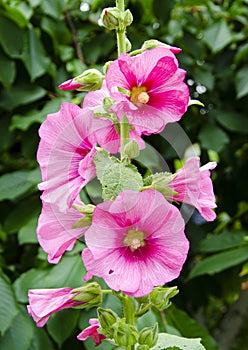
(194, 186)
(148, 88)
(143, 244)
(92, 332)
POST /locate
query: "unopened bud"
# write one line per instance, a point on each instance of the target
(151, 44)
(90, 80)
(128, 18)
(160, 297)
(149, 336)
(143, 347)
(131, 149)
(90, 294)
(111, 18)
(125, 334)
(128, 45)
(106, 318)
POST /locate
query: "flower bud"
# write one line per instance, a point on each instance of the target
(125, 334)
(106, 66)
(111, 17)
(131, 149)
(143, 347)
(149, 336)
(128, 18)
(128, 45)
(160, 297)
(90, 80)
(69, 85)
(151, 44)
(106, 319)
(89, 293)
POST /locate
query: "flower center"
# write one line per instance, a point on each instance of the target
(134, 239)
(139, 95)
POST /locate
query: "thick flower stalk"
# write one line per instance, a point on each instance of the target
(149, 88)
(143, 244)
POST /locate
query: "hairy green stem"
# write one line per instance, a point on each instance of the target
(124, 129)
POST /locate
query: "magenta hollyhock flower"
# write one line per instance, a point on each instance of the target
(65, 154)
(55, 230)
(149, 88)
(69, 85)
(44, 302)
(194, 186)
(107, 135)
(92, 332)
(143, 244)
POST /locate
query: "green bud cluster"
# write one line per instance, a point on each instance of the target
(90, 294)
(114, 19)
(160, 297)
(148, 336)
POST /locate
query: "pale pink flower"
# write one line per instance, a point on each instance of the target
(135, 242)
(65, 154)
(44, 302)
(69, 85)
(92, 332)
(107, 135)
(194, 186)
(149, 88)
(55, 230)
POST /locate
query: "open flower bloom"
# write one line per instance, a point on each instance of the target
(92, 332)
(194, 186)
(135, 242)
(55, 230)
(149, 89)
(65, 154)
(107, 135)
(44, 302)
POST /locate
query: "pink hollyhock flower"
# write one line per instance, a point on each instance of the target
(194, 187)
(65, 154)
(107, 135)
(143, 244)
(149, 88)
(69, 85)
(55, 230)
(44, 302)
(92, 332)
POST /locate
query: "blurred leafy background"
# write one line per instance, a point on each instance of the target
(45, 42)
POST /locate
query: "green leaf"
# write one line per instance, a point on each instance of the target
(204, 77)
(59, 33)
(19, 334)
(68, 273)
(217, 36)
(115, 176)
(173, 342)
(11, 37)
(23, 121)
(219, 262)
(222, 241)
(34, 56)
(40, 340)
(242, 82)
(212, 137)
(18, 12)
(232, 121)
(188, 327)
(61, 325)
(27, 233)
(15, 184)
(20, 95)
(53, 8)
(7, 71)
(9, 308)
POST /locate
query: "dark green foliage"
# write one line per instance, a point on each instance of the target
(45, 42)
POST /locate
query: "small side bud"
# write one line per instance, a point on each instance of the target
(131, 149)
(69, 85)
(149, 336)
(90, 80)
(128, 18)
(111, 18)
(143, 347)
(125, 334)
(90, 294)
(160, 297)
(106, 318)
(128, 45)
(151, 44)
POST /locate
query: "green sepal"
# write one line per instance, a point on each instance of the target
(160, 297)
(83, 222)
(124, 333)
(85, 209)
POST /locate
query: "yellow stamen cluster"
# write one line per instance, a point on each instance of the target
(139, 95)
(134, 239)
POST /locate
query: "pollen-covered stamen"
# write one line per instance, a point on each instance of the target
(139, 95)
(134, 239)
